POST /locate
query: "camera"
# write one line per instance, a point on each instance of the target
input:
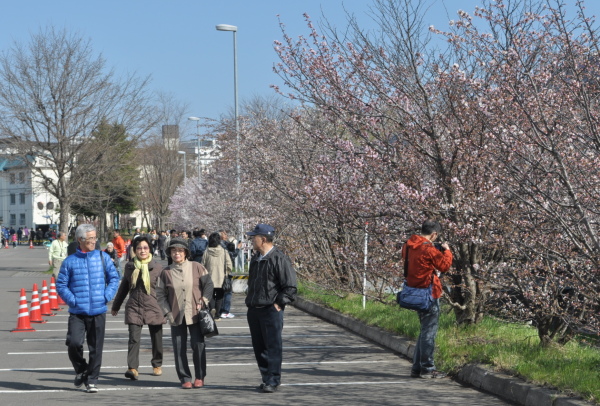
(438, 246)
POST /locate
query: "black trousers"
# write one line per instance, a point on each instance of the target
(266, 326)
(217, 301)
(91, 329)
(179, 336)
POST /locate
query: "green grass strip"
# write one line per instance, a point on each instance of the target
(508, 347)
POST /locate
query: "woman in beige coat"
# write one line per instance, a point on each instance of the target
(139, 282)
(218, 263)
(182, 289)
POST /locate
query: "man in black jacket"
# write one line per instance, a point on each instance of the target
(271, 286)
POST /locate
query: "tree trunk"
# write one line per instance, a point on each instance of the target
(468, 291)
(65, 209)
(102, 233)
(551, 329)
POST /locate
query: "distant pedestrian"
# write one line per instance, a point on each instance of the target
(161, 244)
(229, 245)
(87, 281)
(154, 241)
(19, 235)
(58, 252)
(112, 253)
(172, 234)
(198, 245)
(271, 286)
(218, 264)
(119, 244)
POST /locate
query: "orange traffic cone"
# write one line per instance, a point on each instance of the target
(30, 244)
(45, 303)
(23, 323)
(53, 296)
(35, 314)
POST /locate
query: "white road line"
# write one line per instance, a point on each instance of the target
(207, 349)
(343, 383)
(127, 329)
(55, 352)
(65, 321)
(38, 330)
(146, 336)
(245, 364)
(105, 389)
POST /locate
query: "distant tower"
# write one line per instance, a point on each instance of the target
(170, 134)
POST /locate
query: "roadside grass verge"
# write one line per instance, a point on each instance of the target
(508, 347)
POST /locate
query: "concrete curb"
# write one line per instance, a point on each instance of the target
(479, 376)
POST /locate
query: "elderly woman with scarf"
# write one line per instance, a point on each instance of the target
(182, 289)
(139, 281)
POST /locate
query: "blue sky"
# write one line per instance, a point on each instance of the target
(175, 41)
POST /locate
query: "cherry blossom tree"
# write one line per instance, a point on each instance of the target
(541, 96)
(404, 113)
(464, 135)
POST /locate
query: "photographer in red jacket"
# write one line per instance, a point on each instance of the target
(425, 260)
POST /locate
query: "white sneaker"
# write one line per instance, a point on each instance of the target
(91, 388)
(227, 316)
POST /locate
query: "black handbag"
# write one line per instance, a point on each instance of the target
(227, 285)
(208, 327)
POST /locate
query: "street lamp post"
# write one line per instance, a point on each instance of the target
(233, 28)
(197, 120)
(184, 164)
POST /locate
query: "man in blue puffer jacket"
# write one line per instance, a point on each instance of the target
(87, 281)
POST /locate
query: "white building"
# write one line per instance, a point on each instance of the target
(23, 200)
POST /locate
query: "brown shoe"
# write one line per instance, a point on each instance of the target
(198, 383)
(132, 374)
(157, 371)
(186, 385)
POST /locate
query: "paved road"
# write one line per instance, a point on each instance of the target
(323, 363)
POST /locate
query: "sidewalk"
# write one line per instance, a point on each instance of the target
(479, 376)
